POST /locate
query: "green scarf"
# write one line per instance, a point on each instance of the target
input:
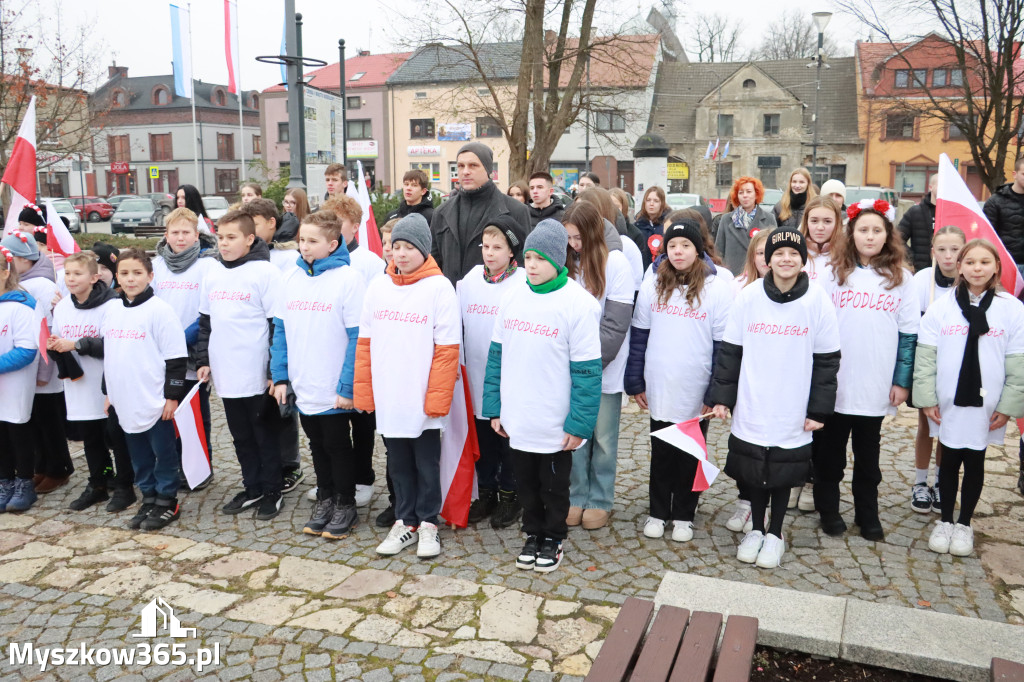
(554, 284)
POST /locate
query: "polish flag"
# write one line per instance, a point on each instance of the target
(188, 422)
(58, 238)
(20, 173)
(369, 235)
(686, 436)
(955, 205)
(459, 453)
(231, 44)
(714, 152)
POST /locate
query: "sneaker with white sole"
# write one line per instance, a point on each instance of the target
(961, 542)
(549, 556)
(654, 528)
(740, 517)
(311, 494)
(528, 555)
(921, 498)
(750, 546)
(794, 498)
(682, 531)
(399, 537)
(941, 537)
(936, 499)
(364, 493)
(428, 546)
(806, 501)
(771, 552)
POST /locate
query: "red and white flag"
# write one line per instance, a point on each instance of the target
(687, 436)
(231, 44)
(188, 422)
(20, 173)
(369, 235)
(58, 238)
(955, 205)
(459, 453)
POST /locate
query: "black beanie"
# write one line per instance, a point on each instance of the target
(514, 233)
(31, 215)
(106, 255)
(785, 236)
(482, 151)
(689, 229)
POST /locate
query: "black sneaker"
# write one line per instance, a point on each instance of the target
(203, 485)
(549, 556)
(269, 507)
(322, 513)
(386, 518)
(936, 500)
(921, 498)
(508, 510)
(121, 499)
(342, 522)
(528, 556)
(88, 498)
(241, 502)
(483, 506)
(290, 480)
(144, 509)
(163, 512)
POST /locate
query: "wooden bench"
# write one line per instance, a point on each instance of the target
(680, 646)
(1007, 671)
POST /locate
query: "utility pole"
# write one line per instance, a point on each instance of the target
(821, 20)
(301, 90)
(344, 105)
(295, 113)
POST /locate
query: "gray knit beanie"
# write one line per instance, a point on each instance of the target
(413, 228)
(21, 245)
(482, 151)
(550, 240)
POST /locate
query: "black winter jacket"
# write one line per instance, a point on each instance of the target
(916, 228)
(1005, 210)
(425, 208)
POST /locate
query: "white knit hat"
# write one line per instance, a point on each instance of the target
(833, 187)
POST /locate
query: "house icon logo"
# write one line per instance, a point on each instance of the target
(157, 616)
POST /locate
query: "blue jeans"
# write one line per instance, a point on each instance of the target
(592, 481)
(155, 460)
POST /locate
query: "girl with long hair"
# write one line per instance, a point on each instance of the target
(822, 224)
(188, 196)
(650, 219)
(799, 190)
(296, 208)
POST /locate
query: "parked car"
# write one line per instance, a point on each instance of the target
(677, 200)
(93, 209)
(116, 200)
(771, 197)
(165, 201)
(135, 213)
(215, 207)
(66, 210)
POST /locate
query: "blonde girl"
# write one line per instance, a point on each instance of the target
(799, 190)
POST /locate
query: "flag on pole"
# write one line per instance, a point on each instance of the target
(687, 436)
(20, 173)
(725, 152)
(188, 422)
(714, 152)
(369, 235)
(58, 238)
(459, 452)
(711, 148)
(231, 44)
(955, 205)
(181, 51)
(284, 50)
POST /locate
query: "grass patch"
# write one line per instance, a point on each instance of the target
(121, 241)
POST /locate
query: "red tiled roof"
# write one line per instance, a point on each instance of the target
(375, 67)
(870, 55)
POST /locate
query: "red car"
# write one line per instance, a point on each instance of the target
(92, 209)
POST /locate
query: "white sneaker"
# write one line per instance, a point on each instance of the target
(429, 546)
(794, 498)
(740, 517)
(400, 537)
(364, 493)
(961, 542)
(941, 537)
(806, 501)
(771, 552)
(682, 531)
(750, 547)
(654, 528)
(311, 494)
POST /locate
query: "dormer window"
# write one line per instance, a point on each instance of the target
(118, 99)
(749, 84)
(219, 98)
(161, 96)
(357, 76)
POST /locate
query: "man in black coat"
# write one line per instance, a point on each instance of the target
(1005, 210)
(918, 226)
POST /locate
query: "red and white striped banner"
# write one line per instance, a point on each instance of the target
(188, 422)
(687, 436)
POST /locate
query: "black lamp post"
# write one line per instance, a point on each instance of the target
(821, 20)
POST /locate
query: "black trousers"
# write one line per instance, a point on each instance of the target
(973, 462)
(288, 441)
(333, 460)
(829, 457)
(17, 459)
(672, 475)
(543, 487)
(415, 468)
(125, 476)
(363, 441)
(104, 470)
(494, 469)
(253, 427)
(49, 435)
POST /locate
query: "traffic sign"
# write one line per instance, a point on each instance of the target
(154, 172)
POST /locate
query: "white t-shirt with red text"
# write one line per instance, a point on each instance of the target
(181, 290)
(818, 269)
(927, 291)
(618, 287)
(84, 396)
(19, 328)
(43, 290)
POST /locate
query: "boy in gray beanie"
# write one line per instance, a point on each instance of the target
(413, 229)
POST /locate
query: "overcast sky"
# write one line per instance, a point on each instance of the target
(137, 32)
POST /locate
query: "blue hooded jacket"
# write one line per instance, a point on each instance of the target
(17, 358)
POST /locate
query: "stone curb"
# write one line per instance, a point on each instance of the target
(898, 637)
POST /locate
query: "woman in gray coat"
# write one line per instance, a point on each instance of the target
(736, 228)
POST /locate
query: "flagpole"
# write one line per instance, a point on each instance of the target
(195, 133)
(238, 86)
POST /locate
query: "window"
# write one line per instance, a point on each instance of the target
(160, 147)
(956, 78)
(902, 78)
(227, 180)
(483, 92)
(725, 125)
(749, 84)
(282, 132)
(257, 144)
(771, 124)
(254, 101)
(353, 102)
(219, 98)
(955, 132)
(119, 148)
(225, 146)
(487, 126)
(611, 121)
(161, 97)
(723, 174)
(357, 76)
(899, 127)
(913, 179)
(360, 129)
(940, 78)
(119, 99)
(769, 167)
(433, 170)
(837, 171)
(420, 95)
(420, 128)
(920, 77)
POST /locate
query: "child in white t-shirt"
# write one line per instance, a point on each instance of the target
(969, 381)
(876, 308)
(684, 307)
(543, 388)
(931, 284)
(776, 371)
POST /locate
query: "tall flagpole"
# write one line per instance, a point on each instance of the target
(195, 133)
(236, 55)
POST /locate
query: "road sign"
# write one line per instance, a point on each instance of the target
(956, 164)
(154, 172)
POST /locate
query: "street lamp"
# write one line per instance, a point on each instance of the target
(821, 20)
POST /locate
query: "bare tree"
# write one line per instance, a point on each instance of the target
(792, 36)
(715, 37)
(979, 39)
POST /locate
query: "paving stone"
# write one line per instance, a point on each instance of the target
(131, 581)
(364, 583)
(376, 628)
(22, 570)
(310, 575)
(505, 671)
(333, 620)
(271, 610)
(485, 650)
(510, 616)
(439, 586)
(185, 596)
(37, 550)
(439, 662)
(237, 564)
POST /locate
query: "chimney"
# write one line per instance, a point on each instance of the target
(364, 53)
(114, 71)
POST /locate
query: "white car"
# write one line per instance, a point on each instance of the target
(216, 207)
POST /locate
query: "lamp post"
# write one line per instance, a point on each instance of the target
(821, 20)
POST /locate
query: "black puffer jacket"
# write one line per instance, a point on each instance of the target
(425, 208)
(916, 228)
(1005, 210)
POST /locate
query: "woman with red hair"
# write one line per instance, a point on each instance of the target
(735, 229)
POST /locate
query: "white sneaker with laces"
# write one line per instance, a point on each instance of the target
(740, 517)
(806, 501)
(429, 546)
(941, 537)
(682, 531)
(400, 537)
(961, 542)
(750, 547)
(654, 528)
(771, 552)
(364, 493)
(794, 498)
(311, 494)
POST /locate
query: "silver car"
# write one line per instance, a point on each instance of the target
(66, 210)
(132, 214)
(216, 207)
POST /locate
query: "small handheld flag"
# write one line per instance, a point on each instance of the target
(188, 422)
(687, 436)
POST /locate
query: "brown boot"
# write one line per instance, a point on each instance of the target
(595, 518)
(48, 484)
(37, 479)
(574, 517)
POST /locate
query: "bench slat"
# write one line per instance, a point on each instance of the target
(1006, 671)
(661, 645)
(620, 648)
(737, 652)
(698, 648)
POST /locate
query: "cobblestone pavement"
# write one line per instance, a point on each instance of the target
(283, 605)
